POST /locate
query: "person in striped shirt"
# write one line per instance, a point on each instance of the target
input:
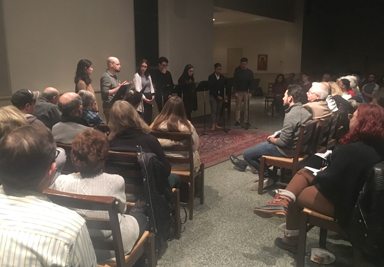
(34, 231)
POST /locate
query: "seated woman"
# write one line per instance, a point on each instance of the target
(89, 153)
(333, 191)
(128, 131)
(278, 89)
(174, 119)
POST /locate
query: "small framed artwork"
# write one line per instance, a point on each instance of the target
(262, 62)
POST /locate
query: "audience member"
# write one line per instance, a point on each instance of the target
(143, 84)
(242, 79)
(337, 95)
(186, 90)
(326, 77)
(89, 153)
(332, 191)
(346, 87)
(89, 112)
(305, 84)
(378, 97)
(278, 89)
(23, 100)
(46, 109)
(216, 83)
(71, 123)
(380, 82)
(36, 95)
(282, 143)
(369, 89)
(36, 231)
(317, 105)
(134, 98)
(291, 78)
(82, 80)
(10, 118)
(173, 119)
(163, 83)
(109, 84)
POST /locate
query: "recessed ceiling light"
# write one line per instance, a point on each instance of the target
(213, 19)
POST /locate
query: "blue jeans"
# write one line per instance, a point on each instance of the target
(252, 155)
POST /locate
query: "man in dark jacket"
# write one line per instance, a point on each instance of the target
(46, 108)
(23, 100)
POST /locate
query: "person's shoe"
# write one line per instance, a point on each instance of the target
(217, 127)
(237, 123)
(247, 124)
(278, 207)
(240, 165)
(291, 246)
(267, 182)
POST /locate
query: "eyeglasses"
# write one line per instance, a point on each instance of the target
(350, 116)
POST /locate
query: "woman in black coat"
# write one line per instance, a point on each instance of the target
(186, 90)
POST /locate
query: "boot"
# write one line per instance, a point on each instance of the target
(278, 207)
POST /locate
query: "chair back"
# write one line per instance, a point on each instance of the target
(306, 140)
(269, 92)
(323, 132)
(102, 203)
(68, 167)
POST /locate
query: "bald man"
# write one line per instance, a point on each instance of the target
(317, 104)
(109, 84)
(71, 123)
(46, 109)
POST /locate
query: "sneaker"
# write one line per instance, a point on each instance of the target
(267, 182)
(278, 207)
(237, 123)
(247, 124)
(240, 165)
(291, 247)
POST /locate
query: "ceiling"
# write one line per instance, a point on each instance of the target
(224, 16)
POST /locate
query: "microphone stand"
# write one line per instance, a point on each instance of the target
(224, 110)
(202, 87)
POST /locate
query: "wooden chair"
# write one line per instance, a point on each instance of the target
(323, 132)
(188, 176)
(135, 191)
(68, 167)
(305, 147)
(146, 244)
(336, 129)
(269, 98)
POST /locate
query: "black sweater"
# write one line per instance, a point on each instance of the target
(342, 181)
(216, 86)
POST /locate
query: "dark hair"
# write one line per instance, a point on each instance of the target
(185, 75)
(217, 65)
(277, 77)
(26, 155)
(89, 152)
(70, 108)
(346, 83)
(133, 97)
(50, 95)
(244, 59)
(162, 59)
(374, 75)
(378, 97)
(294, 90)
(146, 73)
(369, 127)
(81, 72)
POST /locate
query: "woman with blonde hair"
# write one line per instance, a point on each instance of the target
(10, 118)
(335, 89)
(173, 118)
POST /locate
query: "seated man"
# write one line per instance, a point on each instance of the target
(316, 101)
(369, 89)
(89, 108)
(34, 231)
(279, 145)
(46, 109)
(23, 100)
(71, 123)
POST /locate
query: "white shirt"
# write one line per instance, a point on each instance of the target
(37, 232)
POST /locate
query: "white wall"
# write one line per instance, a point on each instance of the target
(45, 39)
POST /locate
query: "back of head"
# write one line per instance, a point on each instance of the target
(345, 81)
(49, 93)
(173, 112)
(124, 117)
(21, 98)
(321, 89)
(294, 90)
(335, 89)
(26, 155)
(378, 97)
(10, 118)
(87, 98)
(133, 97)
(89, 152)
(69, 104)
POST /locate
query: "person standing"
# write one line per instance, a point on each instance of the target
(163, 83)
(216, 82)
(241, 82)
(109, 84)
(143, 84)
(82, 80)
(187, 90)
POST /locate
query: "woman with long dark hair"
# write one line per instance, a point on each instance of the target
(333, 191)
(278, 89)
(82, 78)
(186, 86)
(216, 83)
(143, 84)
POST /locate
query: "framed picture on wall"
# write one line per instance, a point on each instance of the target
(262, 62)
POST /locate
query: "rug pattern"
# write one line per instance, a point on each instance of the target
(217, 148)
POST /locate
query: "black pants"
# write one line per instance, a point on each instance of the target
(147, 113)
(161, 100)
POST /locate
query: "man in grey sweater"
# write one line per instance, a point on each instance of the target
(282, 143)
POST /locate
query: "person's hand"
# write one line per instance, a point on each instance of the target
(236, 95)
(123, 83)
(269, 137)
(148, 101)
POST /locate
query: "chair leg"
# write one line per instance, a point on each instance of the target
(300, 260)
(261, 176)
(191, 198)
(202, 168)
(177, 214)
(323, 238)
(151, 252)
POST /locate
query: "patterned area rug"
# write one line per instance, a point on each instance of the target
(217, 148)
